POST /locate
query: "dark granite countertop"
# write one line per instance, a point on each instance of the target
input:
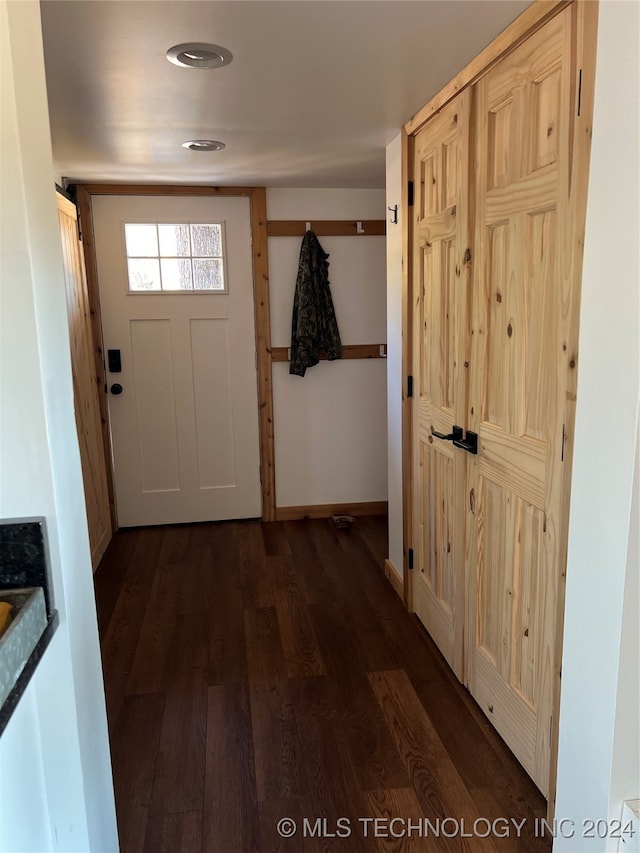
(24, 563)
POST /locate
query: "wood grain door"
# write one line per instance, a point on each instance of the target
(85, 384)
(441, 356)
(520, 371)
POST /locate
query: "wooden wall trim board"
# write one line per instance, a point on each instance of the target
(166, 189)
(327, 227)
(257, 197)
(263, 349)
(394, 578)
(524, 25)
(294, 513)
(349, 351)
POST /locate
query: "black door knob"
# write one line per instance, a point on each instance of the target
(116, 388)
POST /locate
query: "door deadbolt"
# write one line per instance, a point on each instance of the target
(114, 361)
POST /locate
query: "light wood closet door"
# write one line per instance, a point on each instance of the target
(441, 341)
(520, 366)
(85, 387)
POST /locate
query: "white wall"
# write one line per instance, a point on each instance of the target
(55, 778)
(625, 771)
(330, 426)
(608, 397)
(394, 359)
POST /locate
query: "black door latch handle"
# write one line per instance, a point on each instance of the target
(468, 443)
(454, 436)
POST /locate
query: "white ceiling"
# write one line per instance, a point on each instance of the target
(316, 89)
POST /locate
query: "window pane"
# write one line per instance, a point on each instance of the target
(176, 274)
(207, 240)
(174, 240)
(208, 274)
(144, 274)
(141, 240)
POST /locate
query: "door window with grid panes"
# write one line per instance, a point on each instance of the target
(182, 258)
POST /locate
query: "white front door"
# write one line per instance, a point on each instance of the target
(176, 294)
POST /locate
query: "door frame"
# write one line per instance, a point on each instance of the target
(260, 270)
(531, 20)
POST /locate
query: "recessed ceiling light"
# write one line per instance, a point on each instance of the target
(199, 55)
(203, 145)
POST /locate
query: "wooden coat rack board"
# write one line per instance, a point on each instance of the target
(327, 227)
(330, 228)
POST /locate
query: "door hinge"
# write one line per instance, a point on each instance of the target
(410, 558)
(564, 438)
(409, 386)
(79, 224)
(579, 90)
(410, 194)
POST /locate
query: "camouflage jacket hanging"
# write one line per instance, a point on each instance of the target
(314, 328)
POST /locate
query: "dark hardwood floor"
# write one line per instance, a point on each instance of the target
(260, 671)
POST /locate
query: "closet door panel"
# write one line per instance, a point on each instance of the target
(520, 322)
(441, 232)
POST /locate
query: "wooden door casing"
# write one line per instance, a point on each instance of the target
(441, 343)
(85, 384)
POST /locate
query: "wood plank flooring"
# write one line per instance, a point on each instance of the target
(261, 671)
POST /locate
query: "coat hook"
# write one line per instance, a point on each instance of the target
(359, 228)
(394, 211)
(308, 226)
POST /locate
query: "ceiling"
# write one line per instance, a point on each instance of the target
(316, 89)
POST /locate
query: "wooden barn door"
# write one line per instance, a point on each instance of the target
(85, 387)
(441, 345)
(520, 370)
